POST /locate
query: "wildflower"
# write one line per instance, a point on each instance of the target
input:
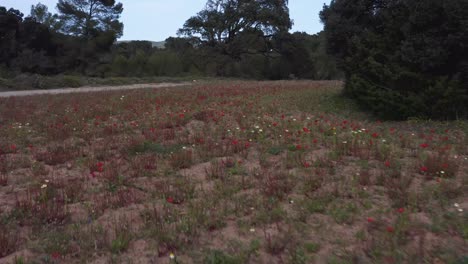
(298, 147)
(460, 210)
(401, 210)
(345, 142)
(55, 255)
(375, 135)
(44, 186)
(252, 230)
(370, 220)
(387, 163)
(275, 124)
(13, 147)
(423, 169)
(172, 256)
(456, 205)
(315, 141)
(390, 229)
(170, 200)
(424, 145)
(306, 164)
(306, 130)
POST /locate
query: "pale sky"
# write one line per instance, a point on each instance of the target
(157, 20)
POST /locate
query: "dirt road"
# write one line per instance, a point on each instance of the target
(87, 89)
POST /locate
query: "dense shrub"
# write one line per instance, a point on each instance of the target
(402, 58)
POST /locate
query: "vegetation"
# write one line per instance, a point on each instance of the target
(229, 172)
(402, 59)
(80, 41)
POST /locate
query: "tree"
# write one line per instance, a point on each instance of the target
(10, 26)
(88, 18)
(40, 13)
(237, 27)
(402, 58)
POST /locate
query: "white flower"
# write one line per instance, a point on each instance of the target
(294, 119)
(456, 205)
(383, 140)
(260, 130)
(46, 181)
(460, 210)
(252, 230)
(44, 186)
(344, 142)
(172, 256)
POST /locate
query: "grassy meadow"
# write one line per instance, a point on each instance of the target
(227, 172)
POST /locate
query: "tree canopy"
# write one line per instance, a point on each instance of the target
(237, 27)
(402, 58)
(88, 18)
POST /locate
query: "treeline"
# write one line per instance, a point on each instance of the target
(301, 56)
(228, 38)
(403, 58)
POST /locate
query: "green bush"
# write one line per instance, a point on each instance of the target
(399, 63)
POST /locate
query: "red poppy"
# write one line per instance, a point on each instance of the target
(275, 124)
(235, 142)
(315, 141)
(370, 220)
(298, 147)
(247, 145)
(424, 145)
(170, 200)
(13, 147)
(423, 169)
(401, 210)
(306, 164)
(375, 135)
(387, 163)
(390, 229)
(55, 255)
(306, 130)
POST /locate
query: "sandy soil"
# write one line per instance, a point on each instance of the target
(90, 89)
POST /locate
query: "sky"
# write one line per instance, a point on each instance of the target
(157, 20)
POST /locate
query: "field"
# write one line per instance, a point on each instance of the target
(228, 172)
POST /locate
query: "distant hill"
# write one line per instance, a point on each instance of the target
(155, 44)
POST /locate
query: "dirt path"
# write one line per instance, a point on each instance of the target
(87, 89)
